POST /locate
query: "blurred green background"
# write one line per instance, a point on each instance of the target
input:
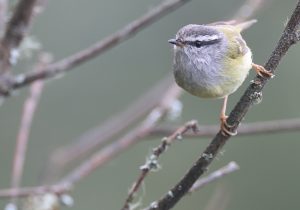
(87, 96)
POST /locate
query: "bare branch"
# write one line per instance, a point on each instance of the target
(98, 48)
(29, 109)
(16, 29)
(60, 189)
(108, 152)
(201, 131)
(39, 190)
(127, 140)
(228, 169)
(152, 161)
(264, 127)
(95, 137)
(287, 39)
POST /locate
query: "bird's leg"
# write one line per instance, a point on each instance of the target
(261, 71)
(224, 125)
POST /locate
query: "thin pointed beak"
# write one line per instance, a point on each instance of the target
(176, 42)
(173, 41)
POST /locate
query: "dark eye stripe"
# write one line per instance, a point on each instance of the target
(199, 44)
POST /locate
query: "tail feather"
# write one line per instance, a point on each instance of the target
(241, 26)
(244, 25)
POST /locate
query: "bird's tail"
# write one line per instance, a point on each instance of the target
(244, 25)
(241, 26)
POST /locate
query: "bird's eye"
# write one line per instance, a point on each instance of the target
(198, 44)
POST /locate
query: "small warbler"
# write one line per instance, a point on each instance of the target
(213, 60)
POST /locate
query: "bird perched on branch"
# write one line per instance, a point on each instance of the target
(213, 60)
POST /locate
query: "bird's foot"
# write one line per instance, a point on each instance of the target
(225, 128)
(261, 71)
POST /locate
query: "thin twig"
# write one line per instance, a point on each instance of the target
(59, 189)
(228, 169)
(38, 190)
(29, 110)
(289, 37)
(95, 137)
(16, 29)
(151, 163)
(98, 48)
(133, 136)
(246, 129)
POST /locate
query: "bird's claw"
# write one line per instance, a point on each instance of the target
(261, 71)
(225, 128)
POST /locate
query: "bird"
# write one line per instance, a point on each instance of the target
(213, 60)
